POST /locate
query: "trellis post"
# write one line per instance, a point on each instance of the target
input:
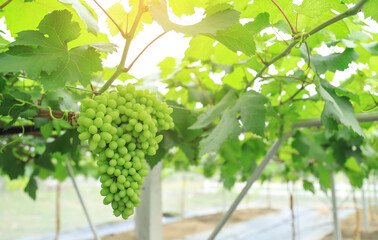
(72, 176)
(365, 209)
(148, 216)
(336, 223)
(255, 175)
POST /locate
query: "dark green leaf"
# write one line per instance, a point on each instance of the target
(31, 187)
(337, 108)
(44, 54)
(11, 165)
(252, 111)
(228, 127)
(46, 130)
(67, 143)
(324, 175)
(215, 111)
(308, 186)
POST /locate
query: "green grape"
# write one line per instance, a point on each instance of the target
(117, 172)
(92, 129)
(121, 161)
(130, 192)
(113, 145)
(121, 179)
(90, 113)
(108, 199)
(102, 169)
(96, 137)
(113, 163)
(84, 136)
(117, 213)
(104, 177)
(104, 191)
(110, 170)
(113, 188)
(132, 171)
(120, 186)
(121, 129)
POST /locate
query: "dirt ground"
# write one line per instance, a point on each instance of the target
(349, 228)
(197, 224)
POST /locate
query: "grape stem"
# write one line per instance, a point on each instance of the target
(287, 19)
(5, 4)
(144, 49)
(111, 19)
(129, 38)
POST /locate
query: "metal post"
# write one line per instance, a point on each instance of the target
(148, 217)
(366, 211)
(336, 224)
(255, 175)
(70, 171)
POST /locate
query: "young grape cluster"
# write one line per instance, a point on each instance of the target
(121, 128)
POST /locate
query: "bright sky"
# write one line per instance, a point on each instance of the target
(171, 44)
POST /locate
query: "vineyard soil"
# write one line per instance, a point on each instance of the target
(348, 227)
(197, 224)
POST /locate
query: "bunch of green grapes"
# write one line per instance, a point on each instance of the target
(121, 129)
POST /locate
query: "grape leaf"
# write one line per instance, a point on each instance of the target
(200, 48)
(228, 127)
(104, 47)
(167, 66)
(217, 21)
(370, 9)
(337, 108)
(317, 8)
(309, 186)
(85, 14)
(252, 111)
(26, 15)
(66, 143)
(324, 175)
(237, 38)
(333, 62)
(60, 172)
(371, 47)
(352, 164)
(9, 106)
(44, 54)
(123, 18)
(260, 22)
(31, 187)
(215, 111)
(185, 6)
(11, 165)
(46, 130)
